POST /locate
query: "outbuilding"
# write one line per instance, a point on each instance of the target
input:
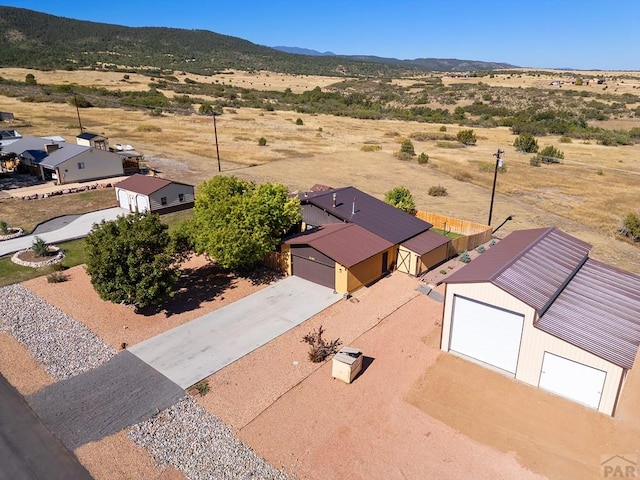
(423, 252)
(142, 193)
(341, 256)
(535, 307)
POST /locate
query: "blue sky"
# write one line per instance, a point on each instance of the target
(585, 34)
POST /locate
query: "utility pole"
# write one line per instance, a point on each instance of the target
(215, 131)
(499, 163)
(75, 100)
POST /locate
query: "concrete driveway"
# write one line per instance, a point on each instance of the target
(77, 228)
(193, 351)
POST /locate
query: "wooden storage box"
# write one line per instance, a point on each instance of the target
(347, 363)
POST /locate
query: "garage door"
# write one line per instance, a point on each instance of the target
(123, 199)
(313, 271)
(573, 380)
(143, 203)
(488, 334)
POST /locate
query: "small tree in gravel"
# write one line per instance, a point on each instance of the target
(320, 348)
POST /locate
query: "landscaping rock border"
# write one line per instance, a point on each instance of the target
(15, 232)
(64, 191)
(51, 261)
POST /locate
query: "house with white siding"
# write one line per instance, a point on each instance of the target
(142, 193)
(535, 307)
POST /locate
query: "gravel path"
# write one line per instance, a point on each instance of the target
(200, 445)
(62, 345)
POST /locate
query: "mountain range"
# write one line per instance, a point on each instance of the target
(37, 40)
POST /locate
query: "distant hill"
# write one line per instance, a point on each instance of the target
(37, 40)
(304, 51)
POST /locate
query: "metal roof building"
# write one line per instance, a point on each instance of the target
(536, 307)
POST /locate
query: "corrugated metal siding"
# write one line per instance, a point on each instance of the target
(534, 341)
(598, 311)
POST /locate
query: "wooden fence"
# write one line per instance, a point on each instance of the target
(473, 234)
(276, 261)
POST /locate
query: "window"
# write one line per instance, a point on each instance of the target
(80, 165)
(163, 200)
(181, 197)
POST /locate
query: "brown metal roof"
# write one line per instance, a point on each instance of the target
(143, 184)
(598, 311)
(532, 265)
(579, 300)
(380, 218)
(346, 243)
(425, 242)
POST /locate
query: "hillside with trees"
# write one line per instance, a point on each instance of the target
(41, 41)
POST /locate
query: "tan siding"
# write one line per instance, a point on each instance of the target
(367, 271)
(534, 342)
(171, 191)
(97, 164)
(342, 279)
(432, 258)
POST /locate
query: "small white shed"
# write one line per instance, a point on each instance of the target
(142, 193)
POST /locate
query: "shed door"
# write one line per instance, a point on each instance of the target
(488, 334)
(143, 203)
(576, 381)
(123, 199)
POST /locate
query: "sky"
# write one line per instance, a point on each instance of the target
(584, 35)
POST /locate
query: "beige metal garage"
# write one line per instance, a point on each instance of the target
(537, 308)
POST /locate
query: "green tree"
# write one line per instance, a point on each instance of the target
(551, 151)
(467, 137)
(262, 141)
(132, 260)
(407, 148)
(206, 109)
(526, 142)
(400, 197)
(237, 222)
(30, 79)
(631, 227)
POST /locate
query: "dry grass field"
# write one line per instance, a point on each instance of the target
(587, 195)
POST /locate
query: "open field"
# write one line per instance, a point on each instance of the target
(587, 195)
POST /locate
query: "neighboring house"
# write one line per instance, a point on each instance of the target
(535, 307)
(317, 254)
(65, 162)
(140, 193)
(93, 140)
(7, 137)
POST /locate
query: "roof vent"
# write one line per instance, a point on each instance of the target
(333, 203)
(353, 206)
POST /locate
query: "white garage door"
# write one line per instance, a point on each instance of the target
(485, 333)
(123, 199)
(143, 203)
(572, 380)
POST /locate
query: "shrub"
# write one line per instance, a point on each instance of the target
(80, 102)
(526, 142)
(320, 349)
(480, 249)
(400, 197)
(4, 227)
(371, 148)
(205, 109)
(438, 191)
(465, 257)
(30, 79)
(145, 128)
(466, 137)
(299, 121)
(535, 161)
(58, 267)
(631, 227)
(551, 151)
(443, 272)
(423, 158)
(262, 141)
(56, 277)
(443, 128)
(565, 139)
(407, 148)
(39, 247)
(202, 387)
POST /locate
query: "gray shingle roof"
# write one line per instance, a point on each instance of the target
(376, 216)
